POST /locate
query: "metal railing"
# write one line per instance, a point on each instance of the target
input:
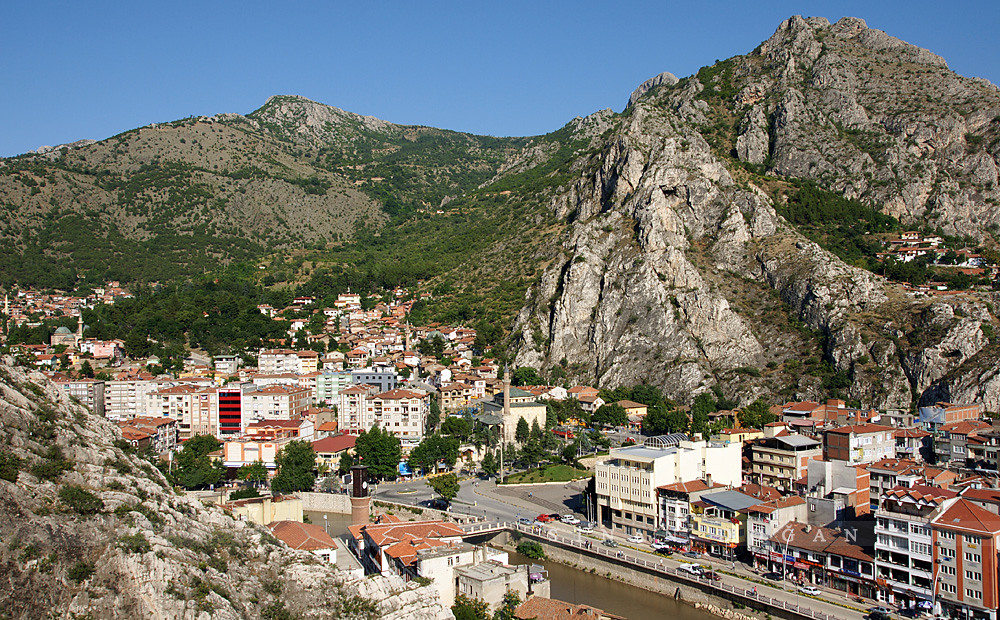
(618, 555)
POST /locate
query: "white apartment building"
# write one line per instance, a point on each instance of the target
(627, 479)
(275, 402)
(903, 541)
(278, 361)
(89, 392)
(126, 399)
(194, 408)
(401, 412)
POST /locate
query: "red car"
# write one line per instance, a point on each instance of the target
(543, 518)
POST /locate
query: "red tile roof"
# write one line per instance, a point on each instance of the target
(964, 515)
(541, 608)
(964, 427)
(334, 443)
(859, 429)
(305, 536)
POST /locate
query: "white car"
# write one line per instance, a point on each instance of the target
(810, 590)
(634, 538)
(694, 569)
(570, 519)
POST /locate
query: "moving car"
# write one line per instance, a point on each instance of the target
(663, 550)
(608, 542)
(773, 576)
(878, 615)
(634, 538)
(710, 574)
(524, 521)
(692, 554)
(570, 519)
(543, 518)
(884, 610)
(810, 590)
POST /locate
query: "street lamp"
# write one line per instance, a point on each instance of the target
(326, 523)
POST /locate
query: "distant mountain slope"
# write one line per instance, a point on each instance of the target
(176, 199)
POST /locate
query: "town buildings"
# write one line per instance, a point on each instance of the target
(626, 480)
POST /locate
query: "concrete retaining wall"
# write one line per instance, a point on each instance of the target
(325, 502)
(699, 594)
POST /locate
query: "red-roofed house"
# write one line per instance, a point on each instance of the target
(952, 440)
(305, 537)
(329, 450)
(393, 547)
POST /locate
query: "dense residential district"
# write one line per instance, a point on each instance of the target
(895, 510)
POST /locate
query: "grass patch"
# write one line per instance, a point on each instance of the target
(549, 473)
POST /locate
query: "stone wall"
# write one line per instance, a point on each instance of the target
(325, 502)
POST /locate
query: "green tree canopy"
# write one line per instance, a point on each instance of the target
(610, 415)
(662, 420)
(526, 375)
(466, 608)
(296, 463)
(458, 427)
(756, 414)
(522, 431)
(380, 451)
(446, 486)
(255, 473)
(431, 450)
(490, 466)
(193, 469)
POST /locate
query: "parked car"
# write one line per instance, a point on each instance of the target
(710, 574)
(554, 517)
(878, 615)
(570, 519)
(692, 554)
(663, 550)
(609, 542)
(585, 528)
(880, 609)
(524, 521)
(773, 576)
(634, 538)
(693, 569)
(810, 590)
(543, 518)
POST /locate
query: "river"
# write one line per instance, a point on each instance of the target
(576, 586)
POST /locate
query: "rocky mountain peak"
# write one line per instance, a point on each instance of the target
(657, 80)
(298, 119)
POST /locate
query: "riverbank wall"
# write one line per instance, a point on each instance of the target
(733, 603)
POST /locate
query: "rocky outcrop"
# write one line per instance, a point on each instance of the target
(657, 80)
(92, 530)
(647, 287)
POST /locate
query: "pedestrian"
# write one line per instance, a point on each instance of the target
(734, 565)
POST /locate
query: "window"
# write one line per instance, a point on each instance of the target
(947, 553)
(946, 535)
(973, 557)
(973, 575)
(970, 593)
(948, 570)
(947, 587)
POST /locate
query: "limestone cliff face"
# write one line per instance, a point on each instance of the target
(874, 118)
(147, 552)
(667, 261)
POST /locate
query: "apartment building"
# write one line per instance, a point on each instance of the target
(859, 443)
(904, 546)
(984, 448)
(401, 412)
(229, 406)
(329, 384)
(888, 474)
(162, 432)
(951, 442)
(88, 392)
(675, 508)
(820, 555)
(718, 523)
(626, 480)
(176, 402)
(125, 399)
(766, 518)
(278, 361)
(913, 443)
(966, 544)
(352, 409)
(275, 402)
(781, 460)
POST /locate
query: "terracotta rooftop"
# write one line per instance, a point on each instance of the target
(690, 487)
(334, 443)
(541, 608)
(859, 429)
(964, 515)
(964, 427)
(305, 536)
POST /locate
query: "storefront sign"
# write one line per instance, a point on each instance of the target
(801, 565)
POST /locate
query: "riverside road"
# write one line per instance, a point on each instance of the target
(509, 503)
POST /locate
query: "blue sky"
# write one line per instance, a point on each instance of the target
(73, 70)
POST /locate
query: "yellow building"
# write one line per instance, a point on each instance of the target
(740, 435)
(718, 522)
